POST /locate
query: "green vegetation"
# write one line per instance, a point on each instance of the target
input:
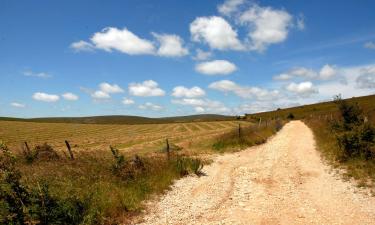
(96, 188)
(244, 137)
(344, 131)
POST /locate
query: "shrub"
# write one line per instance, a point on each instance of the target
(196, 166)
(186, 165)
(126, 169)
(290, 116)
(22, 205)
(354, 136)
(44, 152)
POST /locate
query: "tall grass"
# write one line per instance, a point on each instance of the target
(243, 137)
(348, 141)
(105, 187)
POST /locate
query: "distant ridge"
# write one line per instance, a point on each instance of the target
(118, 119)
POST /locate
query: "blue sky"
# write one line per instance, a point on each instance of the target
(166, 58)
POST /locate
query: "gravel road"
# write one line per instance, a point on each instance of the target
(281, 182)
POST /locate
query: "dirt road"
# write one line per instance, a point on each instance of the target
(281, 182)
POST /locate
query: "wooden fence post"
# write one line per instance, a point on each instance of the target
(168, 152)
(27, 147)
(69, 150)
(260, 121)
(239, 130)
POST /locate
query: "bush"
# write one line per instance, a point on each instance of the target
(355, 137)
(126, 169)
(186, 165)
(44, 152)
(290, 116)
(22, 205)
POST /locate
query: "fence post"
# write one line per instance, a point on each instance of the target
(168, 152)
(69, 150)
(239, 130)
(27, 147)
(260, 121)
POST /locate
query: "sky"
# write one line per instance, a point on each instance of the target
(169, 58)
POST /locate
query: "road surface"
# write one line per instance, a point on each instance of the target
(281, 182)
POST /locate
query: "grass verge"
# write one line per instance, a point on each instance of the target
(95, 188)
(246, 136)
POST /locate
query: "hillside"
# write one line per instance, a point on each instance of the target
(367, 103)
(118, 119)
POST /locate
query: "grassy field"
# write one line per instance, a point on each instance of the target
(320, 118)
(88, 189)
(142, 138)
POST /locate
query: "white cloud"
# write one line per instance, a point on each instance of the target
(301, 22)
(100, 95)
(82, 46)
(150, 106)
(125, 41)
(366, 78)
(216, 32)
(110, 88)
(39, 75)
(127, 101)
(44, 97)
(203, 105)
(229, 7)
(202, 55)
(244, 91)
(302, 89)
(267, 26)
(170, 45)
(194, 92)
(147, 88)
(283, 76)
(70, 96)
(17, 105)
(327, 72)
(216, 67)
(369, 45)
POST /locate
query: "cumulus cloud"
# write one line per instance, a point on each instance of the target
(147, 88)
(203, 105)
(44, 97)
(17, 105)
(369, 45)
(266, 25)
(30, 73)
(202, 55)
(216, 32)
(366, 78)
(302, 89)
(247, 92)
(216, 67)
(112, 38)
(82, 46)
(100, 95)
(327, 72)
(127, 101)
(194, 92)
(125, 41)
(110, 88)
(70, 96)
(170, 45)
(229, 6)
(150, 106)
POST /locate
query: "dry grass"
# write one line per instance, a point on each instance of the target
(319, 117)
(138, 139)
